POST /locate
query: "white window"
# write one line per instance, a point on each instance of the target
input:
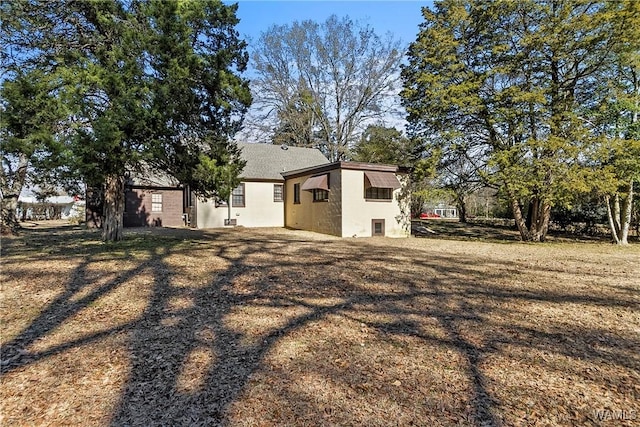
(278, 192)
(237, 196)
(156, 202)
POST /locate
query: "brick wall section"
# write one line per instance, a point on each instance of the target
(138, 211)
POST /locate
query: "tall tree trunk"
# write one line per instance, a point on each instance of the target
(462, 208)
(620, 217)
(517, 215)
(9, 219)
(11, 188)
(540, 227)
(612, 223)
(626, 218)
(112, 228)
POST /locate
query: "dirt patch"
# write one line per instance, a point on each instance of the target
(280, 327)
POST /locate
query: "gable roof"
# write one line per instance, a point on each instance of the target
(268, 161)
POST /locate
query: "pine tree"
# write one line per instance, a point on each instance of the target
(151, 84)
(510, 80)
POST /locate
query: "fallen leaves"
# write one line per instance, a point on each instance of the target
(280, 327)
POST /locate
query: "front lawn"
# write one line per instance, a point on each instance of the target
(278, 327)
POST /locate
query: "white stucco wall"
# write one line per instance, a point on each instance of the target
(357, 212)
(259, 211)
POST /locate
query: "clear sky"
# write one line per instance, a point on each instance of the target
(398, 17)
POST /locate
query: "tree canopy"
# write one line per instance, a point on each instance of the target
(29, 121)
(323, 81)
(153, 84)
(514, 82)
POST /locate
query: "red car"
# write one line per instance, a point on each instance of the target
(427, 215)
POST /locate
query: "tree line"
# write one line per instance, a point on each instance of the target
(536, 99)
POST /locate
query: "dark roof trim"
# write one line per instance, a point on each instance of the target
(340, 165)
(152, 187)
(274, 180)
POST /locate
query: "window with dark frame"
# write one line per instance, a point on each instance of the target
(296, 193)
(377, 193)
(320, 195)
(278, 192)
(237, 197)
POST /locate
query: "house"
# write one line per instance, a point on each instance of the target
(346, 199)
(153, 200)
(259, 199)
(61, 206)
(280, 186)
(441, 210)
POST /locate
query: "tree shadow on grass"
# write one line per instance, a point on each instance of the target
(190, 361)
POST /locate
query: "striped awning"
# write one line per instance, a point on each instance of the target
(319, 182)
(382, 179)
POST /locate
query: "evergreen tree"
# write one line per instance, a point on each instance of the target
(151, 84)
(616, 119)
(30, 125)
(380, 144)
(510, 80)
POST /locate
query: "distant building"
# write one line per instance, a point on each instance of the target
(441, 209)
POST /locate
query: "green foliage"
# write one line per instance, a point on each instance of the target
(379, 144)
(148, 83)
(615, 150)
(507, 83)
(296, 121)
(219, 173)
(30, 151)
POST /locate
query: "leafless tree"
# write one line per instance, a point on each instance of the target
(324, 81)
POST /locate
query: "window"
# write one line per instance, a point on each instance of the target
(296, 193)
(377, 193)
(278, 192)
(156, 202)
(237, 196)
(320, 195)
(377, 227)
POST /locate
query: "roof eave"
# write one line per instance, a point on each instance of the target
(342, 165)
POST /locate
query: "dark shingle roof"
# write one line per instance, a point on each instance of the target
(151, 177)
(264, 161)
(267, 161)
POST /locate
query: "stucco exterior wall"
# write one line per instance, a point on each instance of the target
(322, 217)
(357, 212)
(260, 209)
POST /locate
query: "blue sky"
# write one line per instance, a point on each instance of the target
(398, 17)
(401, 18)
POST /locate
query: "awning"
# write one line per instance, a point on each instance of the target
(319, 182)
(382, 179)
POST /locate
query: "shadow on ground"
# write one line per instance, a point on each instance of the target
(334, 298)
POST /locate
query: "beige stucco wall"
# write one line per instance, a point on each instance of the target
(260, 210)
(357, 213)
(321, 217)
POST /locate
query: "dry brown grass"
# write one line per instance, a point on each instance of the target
(276, 327)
